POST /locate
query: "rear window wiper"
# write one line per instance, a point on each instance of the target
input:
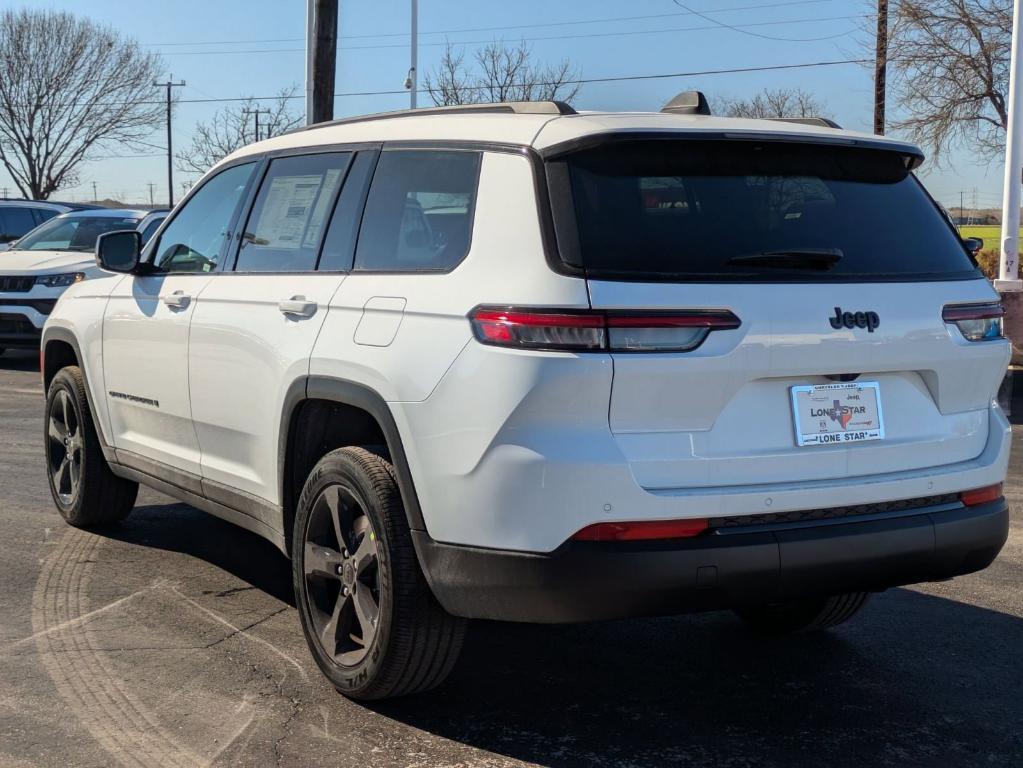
(819, 259)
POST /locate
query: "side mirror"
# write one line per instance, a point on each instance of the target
(974, 245)
(119, 251)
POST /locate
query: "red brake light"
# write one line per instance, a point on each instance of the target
(562, 330)
(981, 495)
(642, 530)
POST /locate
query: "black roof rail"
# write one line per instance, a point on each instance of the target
(820, 122)
(504, 107)
(688, 103)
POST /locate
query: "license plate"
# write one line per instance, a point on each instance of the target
(830, 414)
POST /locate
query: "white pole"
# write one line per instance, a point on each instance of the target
(413, 78)
(310, 13)
(1008, 271)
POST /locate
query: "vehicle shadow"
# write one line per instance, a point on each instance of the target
(180, 528)
(916, 679)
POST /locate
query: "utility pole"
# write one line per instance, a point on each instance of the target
(257, 112)
(321, 42)
(412, 81)
(150, 185)
(881, 67)
(962, 211)
(170, 165)
(95, 197)
(1008, 270)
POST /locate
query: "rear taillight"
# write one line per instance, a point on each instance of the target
(981, 495)
(642, 530)
(588, 331)
(976, 322)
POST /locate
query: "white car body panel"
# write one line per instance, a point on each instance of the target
(244, 353)
(145, 353)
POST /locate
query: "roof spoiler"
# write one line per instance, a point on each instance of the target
(688, 103)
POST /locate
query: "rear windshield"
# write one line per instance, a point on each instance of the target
(710, 211)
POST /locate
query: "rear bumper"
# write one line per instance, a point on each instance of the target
(588, 581)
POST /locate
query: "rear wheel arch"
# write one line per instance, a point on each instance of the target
(322, 414)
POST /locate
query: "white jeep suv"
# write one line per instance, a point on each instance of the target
(514, 362)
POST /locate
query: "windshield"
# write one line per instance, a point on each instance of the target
(719, 211)
(74, 233)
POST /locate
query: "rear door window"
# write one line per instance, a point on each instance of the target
(419, 212)
(291, 212)
(710, 211)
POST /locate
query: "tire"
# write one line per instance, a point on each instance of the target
(803, 615)
(87, 494)
(370, 620)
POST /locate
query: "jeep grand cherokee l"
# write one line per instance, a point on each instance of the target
(514, 362)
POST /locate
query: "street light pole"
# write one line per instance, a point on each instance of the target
(412, 76)
(170, 149)
(1008, 270)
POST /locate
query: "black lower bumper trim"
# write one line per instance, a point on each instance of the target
(588, 581)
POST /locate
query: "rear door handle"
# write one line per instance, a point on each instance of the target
(298, 306)
(177, 300)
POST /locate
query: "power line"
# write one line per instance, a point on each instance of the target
(574, 81)
(740, 28)
(743, 28)
(576, 22)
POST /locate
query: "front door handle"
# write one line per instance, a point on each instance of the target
(177, 300)
(298, 306)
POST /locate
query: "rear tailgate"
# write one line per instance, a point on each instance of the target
(722, 415)
(838, 266)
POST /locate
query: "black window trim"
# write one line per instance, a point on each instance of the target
(541, 194)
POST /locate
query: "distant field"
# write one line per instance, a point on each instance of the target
(991, 234)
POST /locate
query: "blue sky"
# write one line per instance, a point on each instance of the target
(211, 43)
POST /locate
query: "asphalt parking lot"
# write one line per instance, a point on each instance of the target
(173, 641)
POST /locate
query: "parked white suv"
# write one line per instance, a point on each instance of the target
(42, 264)
(519, 363)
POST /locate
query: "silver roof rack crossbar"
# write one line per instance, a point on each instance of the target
(503, 107)
(688, 103)
(820, 122)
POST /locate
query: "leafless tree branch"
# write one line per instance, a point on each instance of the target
(232, 128)
(500, 73)
(68, 85)
(781, 102)
(951, 67)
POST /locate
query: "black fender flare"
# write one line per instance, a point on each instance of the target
(57, 333)
(358, 396)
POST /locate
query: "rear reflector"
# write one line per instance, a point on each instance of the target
(644, 530)
(567, 331)
(976, 322)
(981, 495)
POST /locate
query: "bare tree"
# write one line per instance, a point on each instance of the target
(67, 86)
(952, 71)
(499, 73)
(782, 102)
(233, 127)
